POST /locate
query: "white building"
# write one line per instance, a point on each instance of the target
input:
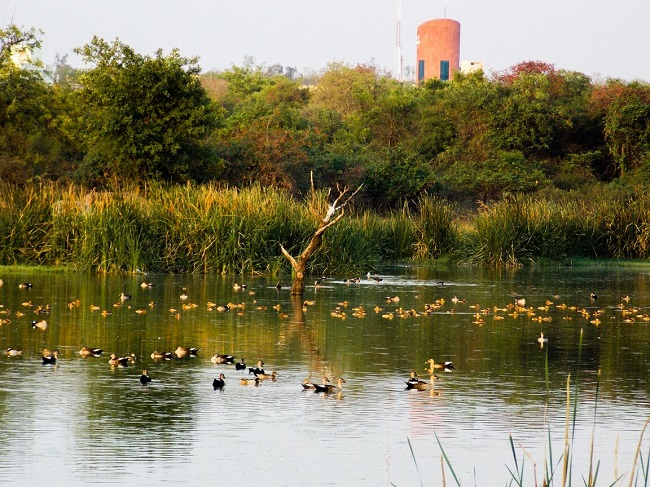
(467, 67)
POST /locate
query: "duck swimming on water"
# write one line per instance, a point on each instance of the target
(50, 358)
(39, 325)
(307, 384)
(542, 340)
(220, 358)
(144, 378)
(446, 366)
(161, 355)
(115, 361)
(219, 383)
(263, 376)
(327, 388)
(249, 382)
(182, 352)
(90, 352)
(415, 383)
(257, 370)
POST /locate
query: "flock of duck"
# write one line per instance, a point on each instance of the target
(258, 374)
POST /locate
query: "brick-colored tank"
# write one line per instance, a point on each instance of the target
(438, 49)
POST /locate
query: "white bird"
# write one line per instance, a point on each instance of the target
(542, 340)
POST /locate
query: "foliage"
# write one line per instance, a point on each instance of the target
(147, 116)
(14, 40)
(265, 138)
(531, 129)
(32, 140)
(400, 175)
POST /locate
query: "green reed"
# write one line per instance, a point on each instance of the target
(437, 228)
(522, 229)
(204, 229)
(211, 229)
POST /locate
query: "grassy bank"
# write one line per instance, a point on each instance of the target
(206, 229)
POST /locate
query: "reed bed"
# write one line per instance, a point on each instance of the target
(522, 230)
(197, 229)
(209, 229)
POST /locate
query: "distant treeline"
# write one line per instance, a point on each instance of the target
(130, 118)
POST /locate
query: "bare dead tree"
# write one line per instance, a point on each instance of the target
(334, 213)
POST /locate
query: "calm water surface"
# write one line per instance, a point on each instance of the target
(82, 420)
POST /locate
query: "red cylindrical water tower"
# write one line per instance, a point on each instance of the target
(438, 49)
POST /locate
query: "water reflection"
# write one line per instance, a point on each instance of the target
(84, 415)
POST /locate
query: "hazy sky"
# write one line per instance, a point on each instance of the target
(600, 38)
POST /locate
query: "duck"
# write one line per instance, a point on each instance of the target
(446, 366)
(593, 296)
(240, 365)
(392, 299)
(156, 355)
(144, 378)
(145, 285)
(220, 358)
(50, 358)
(182, 352)
(278, 285)
(263, 376)
(39, 325)
(90, 352)
(12, 352)
(116, 361)
(248, 382)
(258, 369)
(307, 384)
(542, 340)
(326, 387)
(238, 286)
(413, 377)
(520, 301)
(124, 297)
(25, 285)
(415, 383)
(219, 383)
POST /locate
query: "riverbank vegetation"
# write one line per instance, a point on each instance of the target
(210, 229)
(140, 161)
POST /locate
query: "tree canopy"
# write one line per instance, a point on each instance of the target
(147, 117)
(134, 117)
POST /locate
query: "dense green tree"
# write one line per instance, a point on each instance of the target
(265, 136)
(627, 127)
(147, 117)
(502, 173)
(130, 116)
(347, 90)
(400, 175)
(15, 40)
(32, 143)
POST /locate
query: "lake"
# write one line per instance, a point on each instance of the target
(82, 420)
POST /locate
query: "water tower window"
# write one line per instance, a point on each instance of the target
(420, 69)
(444, 70)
